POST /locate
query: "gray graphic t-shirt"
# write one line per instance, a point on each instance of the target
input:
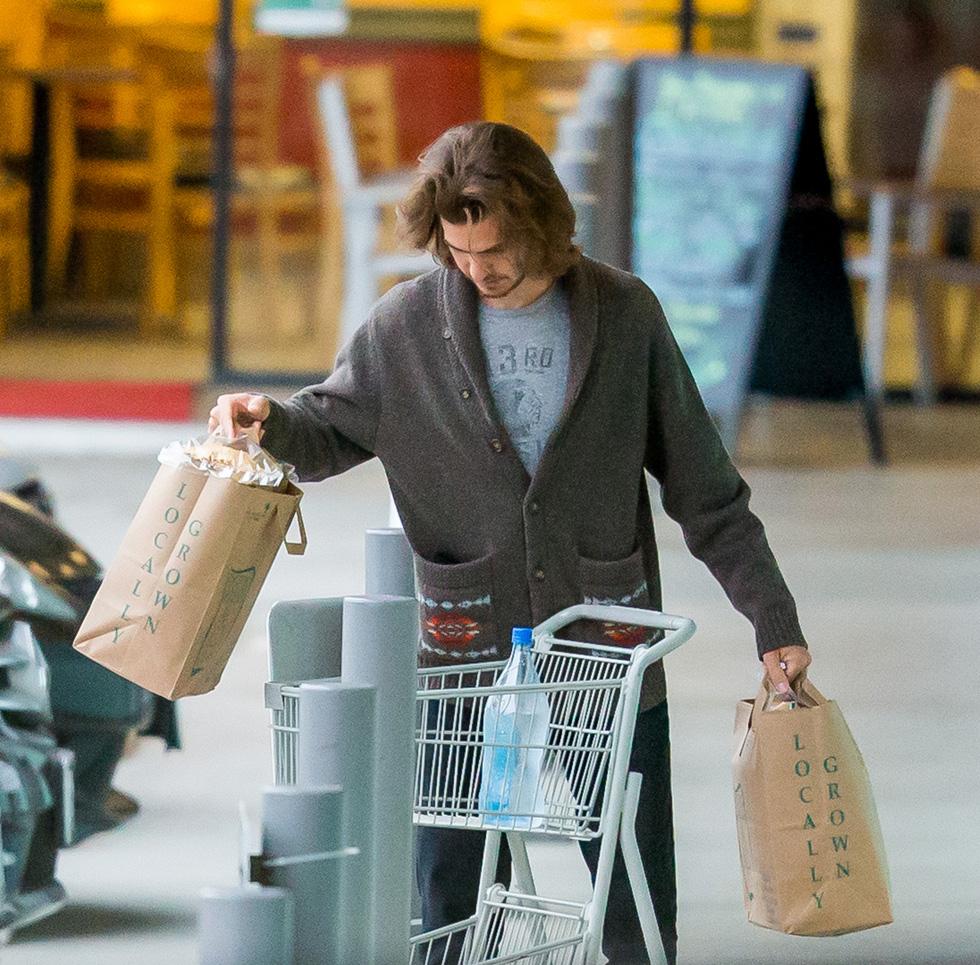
(527, 367)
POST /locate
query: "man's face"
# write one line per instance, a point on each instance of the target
(483, 257)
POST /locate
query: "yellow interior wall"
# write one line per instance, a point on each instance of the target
(20, 16)
(203, 11)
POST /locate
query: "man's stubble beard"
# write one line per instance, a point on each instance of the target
(503, 294)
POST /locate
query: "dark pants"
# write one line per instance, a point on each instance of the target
(447, 861)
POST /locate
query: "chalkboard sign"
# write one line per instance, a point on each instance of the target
(715, 148)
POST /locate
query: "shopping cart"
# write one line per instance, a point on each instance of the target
(282, 702)
(583, 791)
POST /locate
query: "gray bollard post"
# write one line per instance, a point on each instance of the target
(336, 746)
(300, 823)
(389, 570)
(380, 636)
(247, 925)
(389, 566)
(394, 520)
(304, 639)
(304, 644)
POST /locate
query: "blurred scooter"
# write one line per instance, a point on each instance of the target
(64, 720)
(36, 776)
(94, 710)
(22, 480)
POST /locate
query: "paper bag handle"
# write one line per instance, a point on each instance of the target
(803, 688)
(806, 688)
(297, 549)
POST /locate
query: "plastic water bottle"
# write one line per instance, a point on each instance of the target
(515, 732)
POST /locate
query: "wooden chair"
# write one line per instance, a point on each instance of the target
(15, 272)
(357, 121)
(948, 178)
(128, 190)
(533, 64)
(163, 186)
(529, 79)
(276, 204)
(113, 154)
(22, 35)
(84, 38)
(14, 258)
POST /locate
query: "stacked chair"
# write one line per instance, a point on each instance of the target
(947, 180)
(592, 160)
(364, 182)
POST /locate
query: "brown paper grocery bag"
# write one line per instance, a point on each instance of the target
(813, 861)
(175, 599)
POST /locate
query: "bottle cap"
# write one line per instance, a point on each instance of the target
(521, 636)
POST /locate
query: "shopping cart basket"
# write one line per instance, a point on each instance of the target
(583, 789)
(282, 702)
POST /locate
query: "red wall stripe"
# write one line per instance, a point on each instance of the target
(143, 401)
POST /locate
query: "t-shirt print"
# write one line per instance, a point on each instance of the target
(520, 403)
(527, 368)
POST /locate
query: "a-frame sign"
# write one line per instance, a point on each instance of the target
(734, 228)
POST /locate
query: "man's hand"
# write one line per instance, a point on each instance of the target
(784, 665)
(240, 409)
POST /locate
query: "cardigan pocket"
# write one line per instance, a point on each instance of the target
(456, 611)
(612, 583)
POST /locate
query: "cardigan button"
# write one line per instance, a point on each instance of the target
(533, 506)
(447, 334)
(465, 393)
(539, 574)
(496, 445)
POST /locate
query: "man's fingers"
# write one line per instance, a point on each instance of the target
(794, 660)
(234, 412)
(777, 674)
(258, 407)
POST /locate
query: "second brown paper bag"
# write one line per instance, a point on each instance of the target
(813, 861)
(174, 601)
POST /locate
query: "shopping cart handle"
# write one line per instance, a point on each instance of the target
(615, 614)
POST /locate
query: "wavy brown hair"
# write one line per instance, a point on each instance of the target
(482, 169)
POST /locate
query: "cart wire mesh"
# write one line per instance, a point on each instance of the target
(583, 684)
(509, 928)
(285, 735)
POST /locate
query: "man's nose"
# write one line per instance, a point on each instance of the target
(483, 265)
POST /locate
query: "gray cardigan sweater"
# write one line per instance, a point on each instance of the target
(496, 549)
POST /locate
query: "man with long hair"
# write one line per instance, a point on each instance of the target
(517, 395)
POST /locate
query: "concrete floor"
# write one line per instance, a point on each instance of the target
(884, 564)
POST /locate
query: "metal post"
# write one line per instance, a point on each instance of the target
(389, 567)
(247, 925)
(224, 81)
(38, 203)
(299, 822)
(688, 16)
(380, 637)
(336, 742)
